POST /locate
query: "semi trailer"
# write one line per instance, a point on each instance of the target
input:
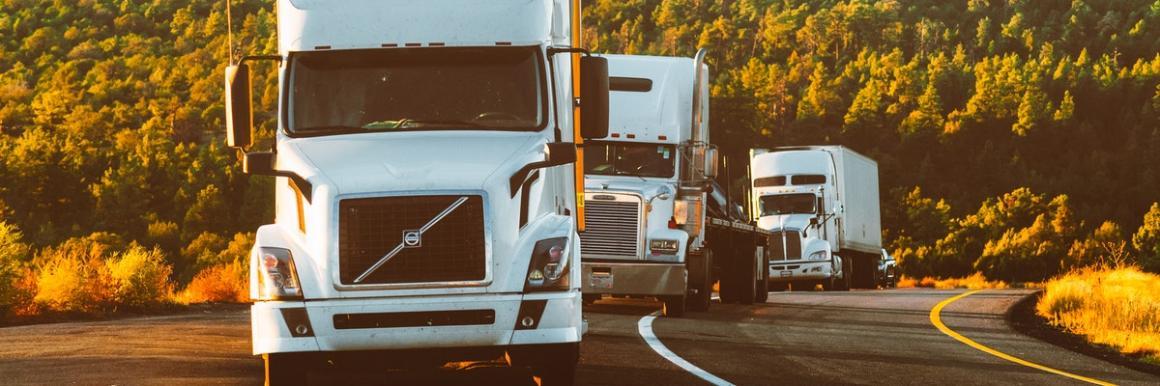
(428, 194)
(654, 229)
(822, 204)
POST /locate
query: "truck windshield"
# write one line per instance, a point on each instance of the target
(340, 92)
(629, 159)
(788, 204)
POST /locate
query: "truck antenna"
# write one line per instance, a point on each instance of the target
(229, 34)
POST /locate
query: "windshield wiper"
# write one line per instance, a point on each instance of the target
(439, 122)
(328, 130)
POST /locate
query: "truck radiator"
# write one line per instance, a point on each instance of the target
(451, 250)
(612, 229)
(786, 246)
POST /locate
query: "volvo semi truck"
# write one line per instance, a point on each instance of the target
(822, 204)
(650, 231)
(427, 192)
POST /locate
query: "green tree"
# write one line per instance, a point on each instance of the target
(1147, 240)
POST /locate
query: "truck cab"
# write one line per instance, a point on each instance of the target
(426, 192)
(791, 191)
(643, 180)
(822, 203)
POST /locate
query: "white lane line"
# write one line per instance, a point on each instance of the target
(644, 327)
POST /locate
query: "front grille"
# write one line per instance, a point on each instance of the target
(452, 250)
(787, 246)
(611, 229)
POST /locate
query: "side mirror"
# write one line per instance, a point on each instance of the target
(239, 113)
(711, 162)
(561, 153)
(593, 97)
(259, 163)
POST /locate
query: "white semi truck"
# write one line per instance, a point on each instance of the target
(427, 186)
(822, 204)
(652, 228)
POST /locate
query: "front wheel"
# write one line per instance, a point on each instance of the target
(284, 369)
(554, 365)
(701, 280)
(674, 306)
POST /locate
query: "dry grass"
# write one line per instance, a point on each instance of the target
(976, 281)
(225, 283)
(1119, 307)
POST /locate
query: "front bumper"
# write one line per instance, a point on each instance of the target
(559, 322)
(794, 270)
(634, 278)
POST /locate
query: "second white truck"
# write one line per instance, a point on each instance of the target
(653, 229)
(822, 204)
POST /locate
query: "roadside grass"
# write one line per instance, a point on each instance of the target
(976, 281)
(1118, 307)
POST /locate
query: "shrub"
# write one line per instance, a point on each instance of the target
(68, 282)
(140, 277)
(1112, 306)
(222, 283)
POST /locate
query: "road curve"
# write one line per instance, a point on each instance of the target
(860, 337)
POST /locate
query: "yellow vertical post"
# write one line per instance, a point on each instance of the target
(577, 42)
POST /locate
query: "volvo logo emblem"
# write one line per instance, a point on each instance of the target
(412, 238)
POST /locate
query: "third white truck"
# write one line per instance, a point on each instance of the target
(822, 204)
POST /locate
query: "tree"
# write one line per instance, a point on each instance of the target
(1147, 240)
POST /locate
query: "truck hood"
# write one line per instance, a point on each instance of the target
(418, 161)
(786, 221)
(647, 187)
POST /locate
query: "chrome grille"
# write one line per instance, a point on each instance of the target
(612, 229)
(452, 250)
(787, 246)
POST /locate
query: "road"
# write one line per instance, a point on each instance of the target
(861, 337)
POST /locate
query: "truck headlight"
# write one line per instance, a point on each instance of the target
(277, 276)
(667, 247)
(819, 255)
(549, 266)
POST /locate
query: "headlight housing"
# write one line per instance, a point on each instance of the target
(277, 276)
(549, 267)
(819, 255)
(665, 247)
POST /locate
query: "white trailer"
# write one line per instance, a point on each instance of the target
(652, 229)
(426, 197)
(823, 202)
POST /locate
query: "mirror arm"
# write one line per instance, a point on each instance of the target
(567, 156)
(275, 58)
(552, 51)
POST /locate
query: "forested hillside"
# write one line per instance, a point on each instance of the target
(111, 121)
(1007, 132)
(958, 101)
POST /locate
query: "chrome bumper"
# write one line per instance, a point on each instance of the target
(634, 278)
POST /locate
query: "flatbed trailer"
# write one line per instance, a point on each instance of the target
(740, 253)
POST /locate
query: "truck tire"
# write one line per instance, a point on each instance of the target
(761, 288)
(674, 306)
(554, 365)
(590, 299)
(865, 271)
(700, 279)
(747, 275)
(284, 369)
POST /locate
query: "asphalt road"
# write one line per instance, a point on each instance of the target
(861, 337)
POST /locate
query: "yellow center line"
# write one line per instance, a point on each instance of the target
(936, 319)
